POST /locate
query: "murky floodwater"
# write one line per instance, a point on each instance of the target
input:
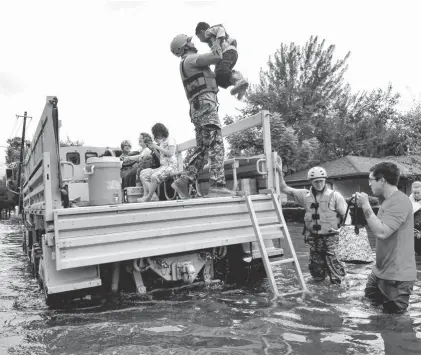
(336, 321)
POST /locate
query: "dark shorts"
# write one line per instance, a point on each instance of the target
(224, 69)
(392, 295)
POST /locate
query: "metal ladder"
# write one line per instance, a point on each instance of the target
(264, 255)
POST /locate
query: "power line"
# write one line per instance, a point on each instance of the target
(18, 129)
(29, 123)
(13, 129)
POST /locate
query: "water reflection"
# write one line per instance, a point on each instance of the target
(337, 320)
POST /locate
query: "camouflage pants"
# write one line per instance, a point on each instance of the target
(209, 144)
(323, 260)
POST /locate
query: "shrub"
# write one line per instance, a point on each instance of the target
(289, 204)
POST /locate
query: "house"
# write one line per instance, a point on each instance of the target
(350, 173)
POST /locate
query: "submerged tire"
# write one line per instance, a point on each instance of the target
(232, 269)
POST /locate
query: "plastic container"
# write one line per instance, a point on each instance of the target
(104, 181)
(250, 185)
(132, 194)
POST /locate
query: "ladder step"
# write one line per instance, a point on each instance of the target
(271, 226)
(270, 251)
(291, 293)
(282, 261)
(272, 231)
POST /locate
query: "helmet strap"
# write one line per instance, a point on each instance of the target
(314, 191)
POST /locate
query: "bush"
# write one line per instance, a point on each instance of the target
(294, 214)
(289, 204)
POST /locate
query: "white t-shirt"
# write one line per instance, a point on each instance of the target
(145, 152)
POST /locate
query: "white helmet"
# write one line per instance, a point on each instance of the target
(178, 44)
(316, 173)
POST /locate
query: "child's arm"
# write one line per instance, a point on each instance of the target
(215, 33)
(208, 59)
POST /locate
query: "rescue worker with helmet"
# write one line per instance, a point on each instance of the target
(324, 212)
(201, 90)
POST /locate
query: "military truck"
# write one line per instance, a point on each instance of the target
(85, 248)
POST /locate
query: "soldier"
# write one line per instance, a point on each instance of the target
(201, 90)
(324, 212)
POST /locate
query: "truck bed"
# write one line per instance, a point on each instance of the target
(92, 235)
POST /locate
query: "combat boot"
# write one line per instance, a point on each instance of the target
(240, 84)
(181, 186)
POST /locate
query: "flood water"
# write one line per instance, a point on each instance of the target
(203, 321)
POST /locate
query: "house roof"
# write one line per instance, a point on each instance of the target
(352, 165)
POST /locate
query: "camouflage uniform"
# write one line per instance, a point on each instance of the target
(323, 260)
(209, 142)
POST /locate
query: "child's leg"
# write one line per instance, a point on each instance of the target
(226, 76)
(223, 70)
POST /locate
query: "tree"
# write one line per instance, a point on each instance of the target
(300, 84)
(316, 117)
(13, 151)
(70, 143)
(359, 124)
(299, 87)
(405, 137)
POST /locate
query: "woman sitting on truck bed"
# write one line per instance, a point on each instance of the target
(137, 161)
(166, 148)
(128, 164)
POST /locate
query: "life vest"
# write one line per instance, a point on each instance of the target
(319, 218)
(203, 80)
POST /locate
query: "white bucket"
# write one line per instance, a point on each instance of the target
(250, 185)
(104, 181)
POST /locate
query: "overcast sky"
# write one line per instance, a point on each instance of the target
(110, 65)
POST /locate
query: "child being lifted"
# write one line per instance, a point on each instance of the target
(218, 39)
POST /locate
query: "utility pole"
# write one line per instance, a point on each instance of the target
(22, 147)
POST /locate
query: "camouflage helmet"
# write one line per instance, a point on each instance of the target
(125, 142)
(178, 44)
(316, 173)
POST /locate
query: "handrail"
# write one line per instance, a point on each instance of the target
(249, 122)
(35, 140)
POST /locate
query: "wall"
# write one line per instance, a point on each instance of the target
(348, 186)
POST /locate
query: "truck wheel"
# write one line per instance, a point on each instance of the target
(24, 241)
(232, 269)
(51, 300)
(40, 273)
